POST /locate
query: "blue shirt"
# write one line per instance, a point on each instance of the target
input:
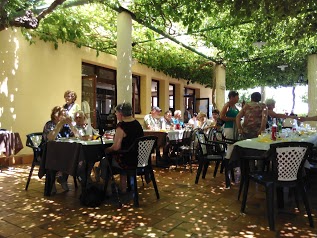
(177, 121)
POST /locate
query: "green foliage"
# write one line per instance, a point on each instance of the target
(244, 97)
(225, 29)
(304, 98)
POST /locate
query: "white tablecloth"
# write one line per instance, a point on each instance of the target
(172, 134)
(175, 135)
(86, 142)
(264, 143)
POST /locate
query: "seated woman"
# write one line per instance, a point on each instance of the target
(203, 122)
(127, 131)
(193, 122)
(217, 123)
(177, 119)
(59, 126)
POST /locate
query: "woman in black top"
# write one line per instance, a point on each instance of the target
(127, 131)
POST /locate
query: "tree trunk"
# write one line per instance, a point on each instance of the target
(28, 20)
(293, 93)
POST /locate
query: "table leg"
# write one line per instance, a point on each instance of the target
(49, 181)
(244, 173)
(280, 197)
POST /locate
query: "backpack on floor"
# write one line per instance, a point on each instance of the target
(92, 196)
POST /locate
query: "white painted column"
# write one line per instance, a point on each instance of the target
(124, 58)
(312, 84)
(220, 85)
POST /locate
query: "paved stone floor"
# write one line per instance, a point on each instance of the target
(184, 210)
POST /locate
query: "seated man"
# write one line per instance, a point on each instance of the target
(168, 123)
(166, 120)
(84, 129)
(86, 132)
(152, 120)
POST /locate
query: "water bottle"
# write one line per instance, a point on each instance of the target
(163, 125)
(279, 126)
(294, 126)
(274, 130)
(237, 174)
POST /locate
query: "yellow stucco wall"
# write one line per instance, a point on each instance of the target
(34, 78)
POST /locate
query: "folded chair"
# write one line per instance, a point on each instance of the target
(287, 159)
(143, 167)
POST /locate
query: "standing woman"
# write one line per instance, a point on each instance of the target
(70, 106)
(228, 115)
(255, 117)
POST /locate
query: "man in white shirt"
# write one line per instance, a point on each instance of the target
(152, 120)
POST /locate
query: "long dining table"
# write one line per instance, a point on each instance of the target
(71, 155)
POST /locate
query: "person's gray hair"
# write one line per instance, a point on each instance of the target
(269, 102)
(125, 109)
(81, 113)
(178, 112)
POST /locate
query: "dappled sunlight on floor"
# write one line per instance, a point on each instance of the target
(185, 209)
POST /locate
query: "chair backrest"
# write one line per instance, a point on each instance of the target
(145, 146)
(33, 140)
(209, 147)
(187, 136)
(288, 159)
(211, 135)
(201, 138)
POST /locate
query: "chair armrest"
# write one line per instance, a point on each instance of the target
(212, 142)
(215, 147)
(34, 147)
(230, 141)
(254, 157)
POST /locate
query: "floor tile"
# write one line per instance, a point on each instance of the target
(185, 209)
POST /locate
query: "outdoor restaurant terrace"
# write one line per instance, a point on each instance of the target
(174, 55)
